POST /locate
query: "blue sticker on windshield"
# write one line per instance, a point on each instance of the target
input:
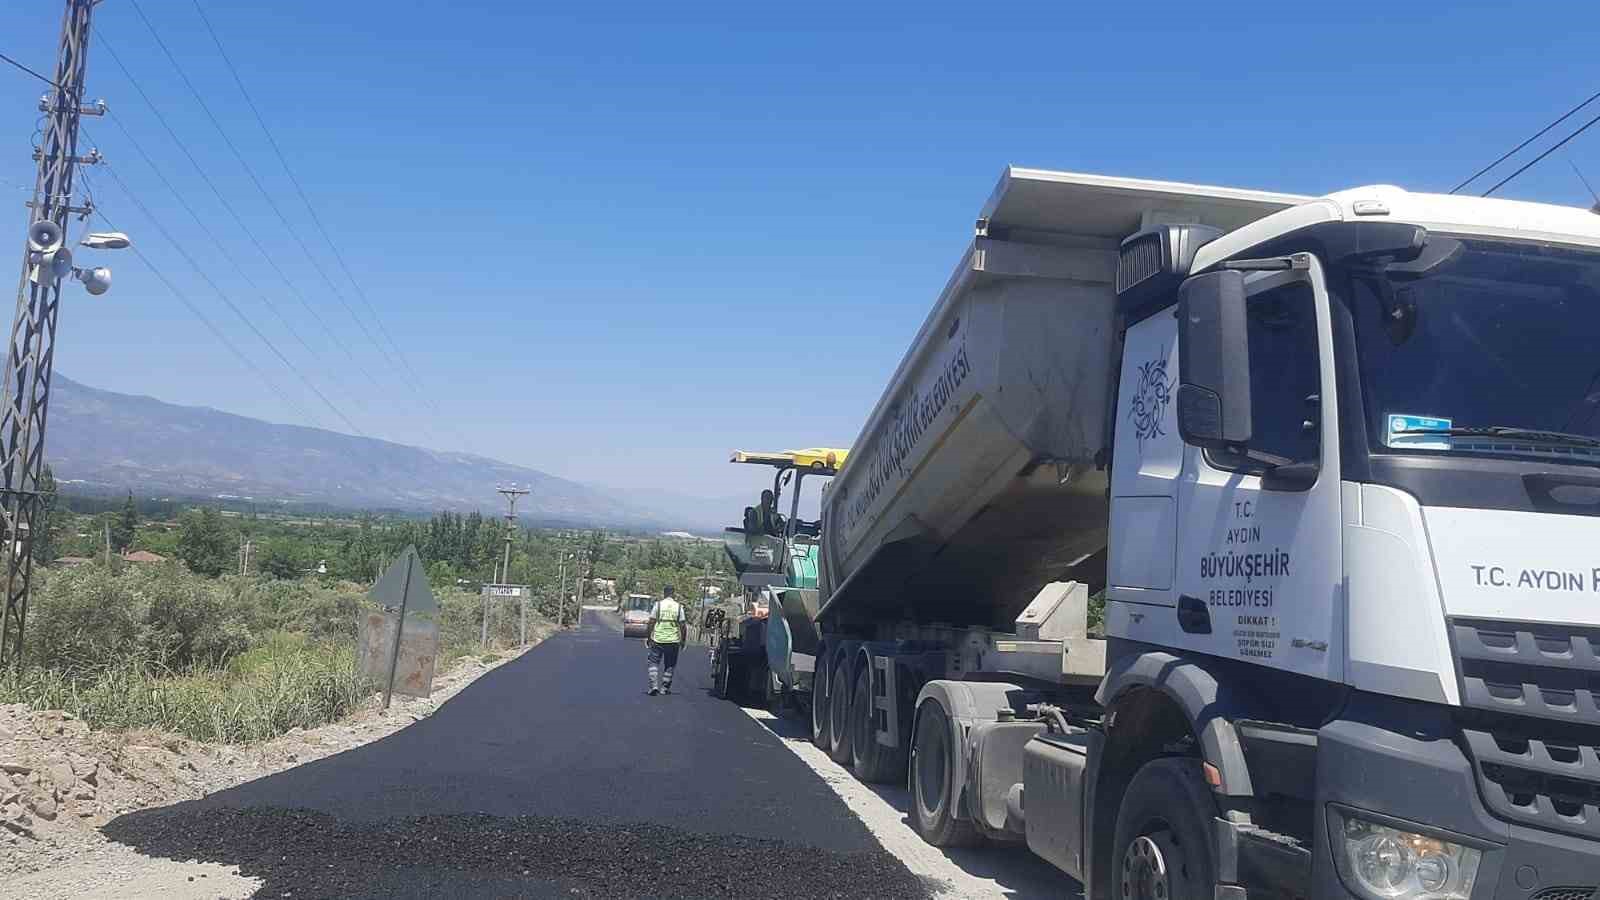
(1416, 432)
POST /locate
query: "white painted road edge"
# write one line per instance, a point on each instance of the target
(1021, 875)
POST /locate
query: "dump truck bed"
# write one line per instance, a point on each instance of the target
(975, 480)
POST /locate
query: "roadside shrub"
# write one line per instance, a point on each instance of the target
(299, 687)
(80, 619)
(188, 620)
(270, 648)
(229, 659)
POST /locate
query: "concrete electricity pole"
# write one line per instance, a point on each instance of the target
(512, 494)
(561, 589)
(30, 357)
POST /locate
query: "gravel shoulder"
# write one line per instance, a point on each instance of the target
(61, 783)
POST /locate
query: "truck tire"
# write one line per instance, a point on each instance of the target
(820, 711)
(839, 715)
(933, 772)
(872, 762)
(734, 677)
(1163, 845)
(719, 681)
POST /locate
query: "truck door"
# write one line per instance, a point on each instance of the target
(1259, 557)
(1145, 469)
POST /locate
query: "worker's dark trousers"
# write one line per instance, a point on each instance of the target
(663, 659)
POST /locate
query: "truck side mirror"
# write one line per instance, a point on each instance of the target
(1213, 362)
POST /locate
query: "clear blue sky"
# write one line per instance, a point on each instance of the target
(582, 221)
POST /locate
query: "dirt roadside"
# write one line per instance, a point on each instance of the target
(60, 781)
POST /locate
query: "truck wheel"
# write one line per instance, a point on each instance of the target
(820, 711)
(733, 676)
(933, 764)
(872, 761)
(1163, 849)
(839, 716)
(719, 679)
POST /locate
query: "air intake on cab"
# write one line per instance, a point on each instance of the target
(1152, 263)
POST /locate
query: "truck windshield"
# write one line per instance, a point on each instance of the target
(1475, 352)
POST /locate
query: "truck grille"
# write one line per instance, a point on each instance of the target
(1550, 671)
(1532, 723)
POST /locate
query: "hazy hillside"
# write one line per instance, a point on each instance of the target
(111, 441)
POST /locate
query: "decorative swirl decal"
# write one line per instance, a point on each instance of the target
(1151, 395)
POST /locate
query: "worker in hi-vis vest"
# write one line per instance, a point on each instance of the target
(666, 633)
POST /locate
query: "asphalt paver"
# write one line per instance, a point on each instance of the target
(554, 775)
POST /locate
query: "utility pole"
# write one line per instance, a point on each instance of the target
(30, 357)
(512, 494)
(561, 590)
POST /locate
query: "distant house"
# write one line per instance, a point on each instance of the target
(73, 560)
(143, 556)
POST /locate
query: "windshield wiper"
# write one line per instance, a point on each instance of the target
(1532, 435)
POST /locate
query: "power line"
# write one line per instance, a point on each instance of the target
(199, 270)
(1531, 163)
(221, 248)
(310, 207)
(1514, 150)
(249, 170)
(233, 213)
(205, 320)
(24, 68)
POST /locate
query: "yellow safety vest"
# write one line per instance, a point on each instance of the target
(669, 622)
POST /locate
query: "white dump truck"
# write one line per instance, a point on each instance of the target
(1333, 466)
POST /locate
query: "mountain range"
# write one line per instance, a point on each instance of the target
(105, 442)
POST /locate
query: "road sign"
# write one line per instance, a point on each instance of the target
(404, 588)
(395, 590)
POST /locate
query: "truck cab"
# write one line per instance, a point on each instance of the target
(1333, 466)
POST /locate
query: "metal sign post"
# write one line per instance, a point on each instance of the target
(492, 594)
(399, 629)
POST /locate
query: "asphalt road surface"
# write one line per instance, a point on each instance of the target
(553, 775)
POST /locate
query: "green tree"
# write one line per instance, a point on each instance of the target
(43, 546)
(125, 525)
(282, 558)
(442, 576)
(205, 543)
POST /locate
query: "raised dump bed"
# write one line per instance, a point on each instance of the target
(977, 479)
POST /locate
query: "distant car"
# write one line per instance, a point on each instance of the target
(636, 615)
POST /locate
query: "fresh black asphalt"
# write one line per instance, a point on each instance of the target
(552, 775)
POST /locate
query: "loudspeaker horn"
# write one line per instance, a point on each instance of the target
(51, 265)
(44, 236)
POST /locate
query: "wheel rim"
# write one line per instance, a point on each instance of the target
(1148, 867)
(819, 707)
(839, 703)
(932, 769)
(862, 730)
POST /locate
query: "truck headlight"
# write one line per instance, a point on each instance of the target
(1381, 862)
